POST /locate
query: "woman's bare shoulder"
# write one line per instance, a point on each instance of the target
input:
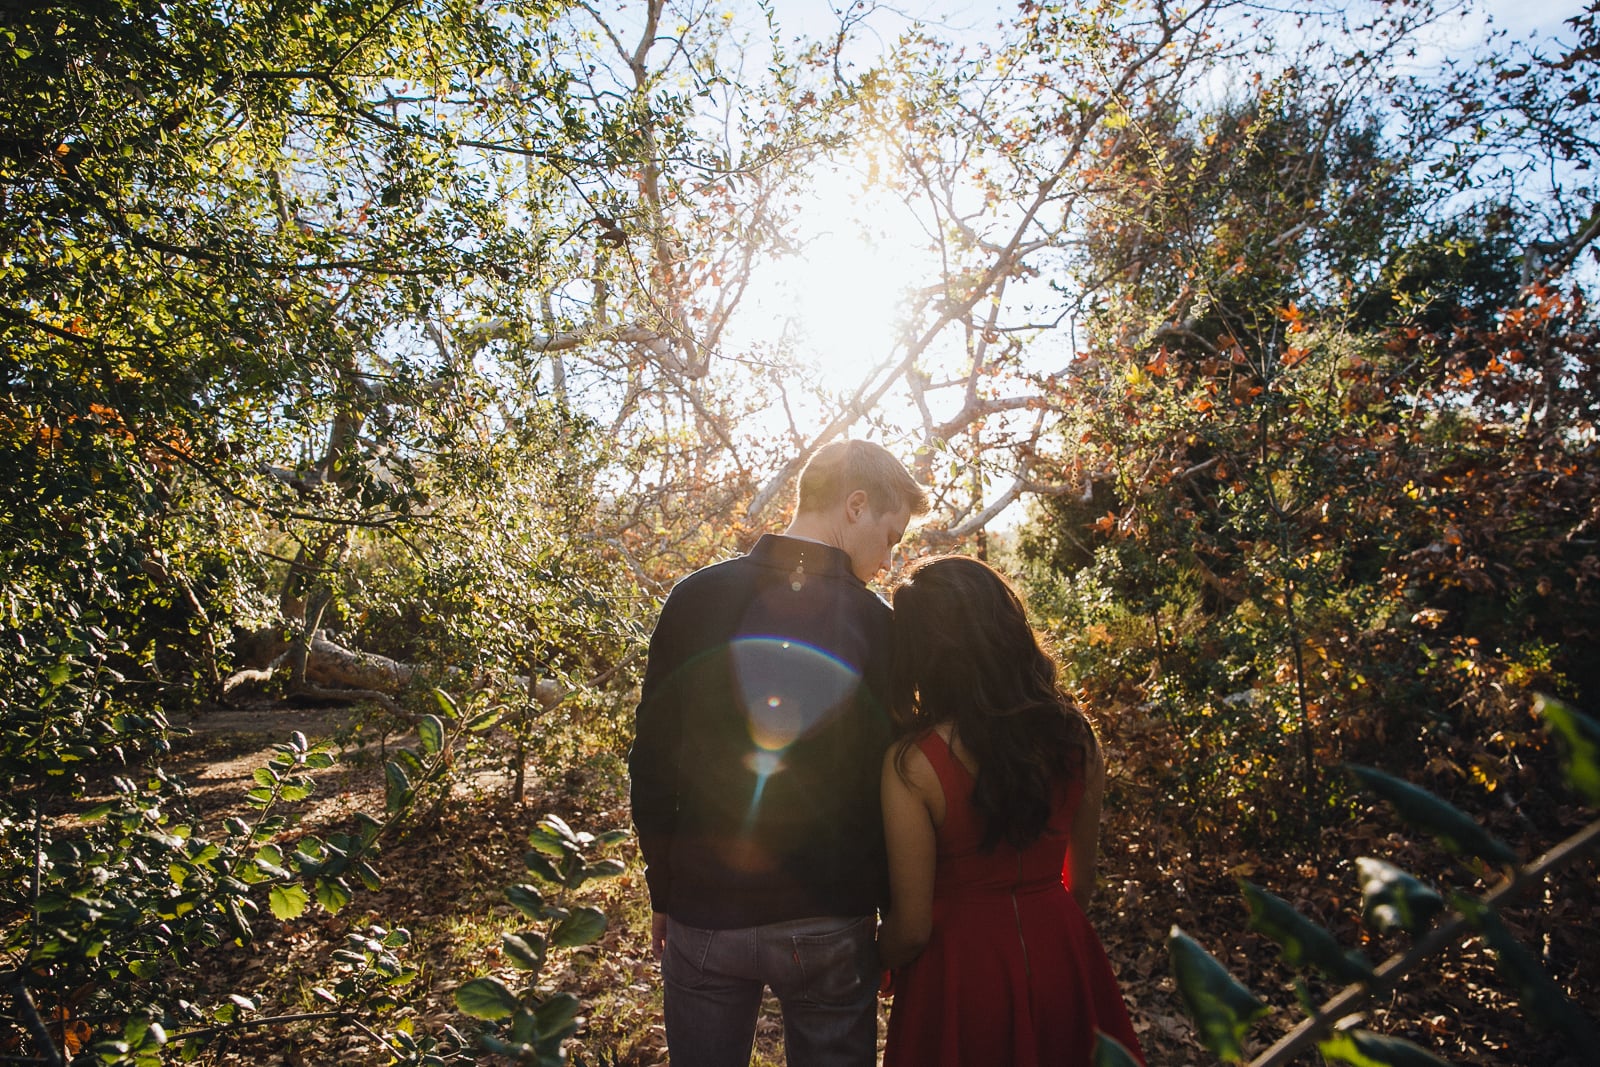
(906, 759)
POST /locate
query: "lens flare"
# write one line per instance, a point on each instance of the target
(787, 688)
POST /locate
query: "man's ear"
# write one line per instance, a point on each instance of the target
(856, 504)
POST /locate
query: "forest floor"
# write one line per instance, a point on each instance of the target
(443, 881)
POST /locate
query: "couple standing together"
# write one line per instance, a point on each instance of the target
(805, 757)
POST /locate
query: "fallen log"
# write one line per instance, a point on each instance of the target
(334, 672)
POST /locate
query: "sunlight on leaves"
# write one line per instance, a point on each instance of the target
(287, 901)
(1538, 992)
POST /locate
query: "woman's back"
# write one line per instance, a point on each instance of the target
(965, 867)
(1013, 973)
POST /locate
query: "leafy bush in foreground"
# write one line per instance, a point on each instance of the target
(1223, 1009)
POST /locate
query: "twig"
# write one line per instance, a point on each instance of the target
(36, 1027)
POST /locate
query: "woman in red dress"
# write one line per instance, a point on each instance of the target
(991, 808)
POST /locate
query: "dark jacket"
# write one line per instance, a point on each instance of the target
(760, 735)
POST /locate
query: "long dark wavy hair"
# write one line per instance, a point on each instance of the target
(965, 654)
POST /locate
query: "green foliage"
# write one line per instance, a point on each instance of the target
(246, 256)
(1393, 900)
(1221, 1007)
(535, 1024)
(1449, 825)
(485, 998)
(1304, 942)
(1299, 518)
(1362, 1049)
(132, 896)
(1580, 735)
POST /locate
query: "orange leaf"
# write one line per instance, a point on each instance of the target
(76, 1036)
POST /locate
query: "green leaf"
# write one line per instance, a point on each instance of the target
(549, 842)
(602, 869)
(447, 704)
(556, 1017)
(1580, 738)
(1109, 1052)
(1452, 827)
(483, 720)
(369, 827)
(332, 895)
(1304, 942)
(526, 950)
(582, 927)
(1363, 1049)
(264, 776)
(1221, 1007)
(368, 876)
(558, 826)
(397, 787)
(287, 901)
(1391, 898)
(541, 867)
(526, 899)
(409, 762)
(1538, 992)
(430, 732)
(485, 998)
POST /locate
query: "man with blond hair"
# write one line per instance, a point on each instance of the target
(760, 734)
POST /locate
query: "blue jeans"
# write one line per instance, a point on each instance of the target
(823, 972)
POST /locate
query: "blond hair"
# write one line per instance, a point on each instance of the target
(836, 470)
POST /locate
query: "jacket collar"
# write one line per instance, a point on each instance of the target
(813, 557)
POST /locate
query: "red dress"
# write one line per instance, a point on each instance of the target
(1013, 973)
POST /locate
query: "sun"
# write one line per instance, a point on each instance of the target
(838, 303)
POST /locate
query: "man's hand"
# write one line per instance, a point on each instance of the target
(658, 933)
